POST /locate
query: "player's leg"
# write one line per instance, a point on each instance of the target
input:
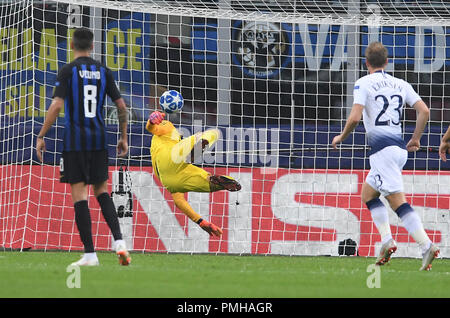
(193, 146)
(380, 216)
(108, 209)
(191, 178)
(182, 150)
(84, 224)
(410, 219)
(196, 179)
(198, 149)
(413, 224)
(216, 182)
(110, 215)
(389, 163)
(205, 139)
(73, 171)
(185, 207)
(99, 181)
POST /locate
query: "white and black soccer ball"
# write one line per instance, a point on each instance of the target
(171, 101)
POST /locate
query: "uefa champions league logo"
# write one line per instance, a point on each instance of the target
(262, 49)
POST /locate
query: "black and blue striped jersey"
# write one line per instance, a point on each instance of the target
(84, 85)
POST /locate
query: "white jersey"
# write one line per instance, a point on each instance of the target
(383, 97)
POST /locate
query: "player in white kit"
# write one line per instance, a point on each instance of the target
(379, 98)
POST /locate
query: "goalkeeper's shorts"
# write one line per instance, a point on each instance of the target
(90, 167)
(189, 179)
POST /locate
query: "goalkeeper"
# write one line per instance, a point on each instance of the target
(170, 154)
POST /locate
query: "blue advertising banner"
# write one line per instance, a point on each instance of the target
(274, 46)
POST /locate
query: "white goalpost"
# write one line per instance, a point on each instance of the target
(274, 76)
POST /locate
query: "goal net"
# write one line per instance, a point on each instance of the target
(274, 76)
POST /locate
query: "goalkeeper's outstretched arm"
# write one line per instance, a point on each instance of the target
(153, 124)
(184, 206)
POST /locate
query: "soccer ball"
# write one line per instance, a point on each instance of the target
(171, 101)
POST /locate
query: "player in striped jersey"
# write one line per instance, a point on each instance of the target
(81, 88)
(379, 98)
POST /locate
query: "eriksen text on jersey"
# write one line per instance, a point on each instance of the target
(383, 97)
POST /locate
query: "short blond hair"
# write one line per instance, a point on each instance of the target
(376, 54)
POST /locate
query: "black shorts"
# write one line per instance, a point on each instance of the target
(90, 167)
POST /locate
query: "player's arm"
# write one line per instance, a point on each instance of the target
(122, 113)
(59, 94)
(423, 114)
(445, 145)
(52, 114)
(352, 121)
(154, 124)
(184, 206)
(122, 116)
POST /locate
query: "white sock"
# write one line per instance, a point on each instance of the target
(380, 217)
(90, 256)
(385, 232)
(411, 221)
(119, 243)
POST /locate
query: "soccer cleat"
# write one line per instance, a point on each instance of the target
(225, 182)
(123, 255)
(124, 258)
(85, 261)
(387, 249)
(428, 257)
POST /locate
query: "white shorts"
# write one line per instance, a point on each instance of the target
(385, 174)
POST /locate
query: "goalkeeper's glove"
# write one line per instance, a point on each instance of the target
(211, 228)
(156, 117)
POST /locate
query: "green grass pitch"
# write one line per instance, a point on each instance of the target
(43, 274)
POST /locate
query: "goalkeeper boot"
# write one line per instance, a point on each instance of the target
(89, 259)
(122, 254)
(387, 249)
(428, 257)
(225, 183)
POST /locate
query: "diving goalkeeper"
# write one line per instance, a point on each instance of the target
(170, 155)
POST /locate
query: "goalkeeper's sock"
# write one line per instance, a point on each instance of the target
(380, 217)
(184, 206)
(412, 223)
(110, 214)
(84, 225)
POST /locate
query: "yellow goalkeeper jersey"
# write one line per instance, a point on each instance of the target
(168, 152)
